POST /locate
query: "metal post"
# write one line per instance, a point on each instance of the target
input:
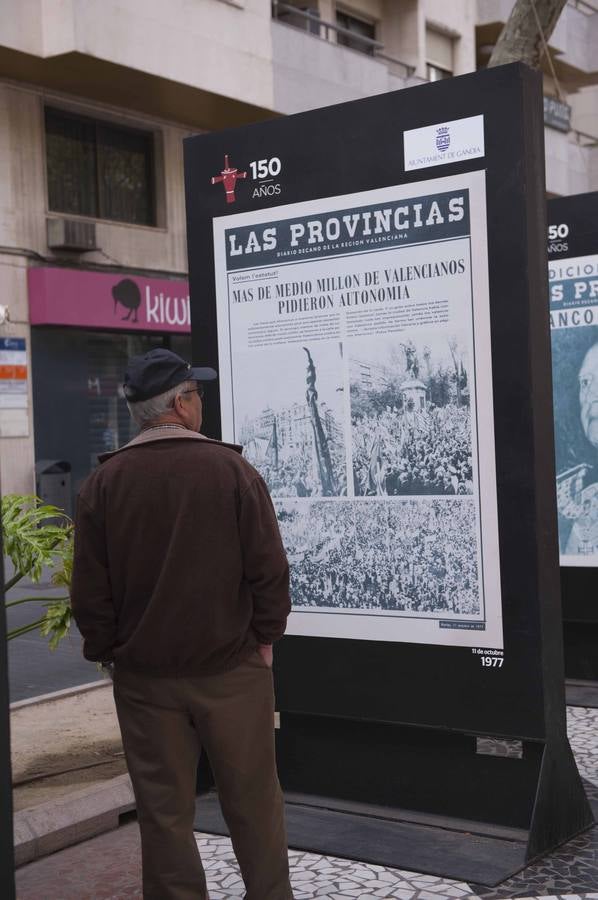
(6, 826)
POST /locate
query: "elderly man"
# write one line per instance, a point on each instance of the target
(181, 582)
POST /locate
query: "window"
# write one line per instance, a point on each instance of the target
(99, 169)
(436, 73)
(439, 53)
(299, 14)
(356, 27)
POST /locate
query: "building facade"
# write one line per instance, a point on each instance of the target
(95, 100)
(570, 93)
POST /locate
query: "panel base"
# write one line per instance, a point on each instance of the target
(582, 693)
(391, 842)
(514, 787)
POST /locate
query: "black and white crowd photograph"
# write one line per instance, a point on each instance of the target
(401, 557)
(410, 415)
(292, 428)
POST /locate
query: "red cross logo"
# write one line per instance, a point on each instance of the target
(228, 177)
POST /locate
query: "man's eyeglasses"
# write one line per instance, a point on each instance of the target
(199, 390)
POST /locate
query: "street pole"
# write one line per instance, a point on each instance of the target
(7, 859)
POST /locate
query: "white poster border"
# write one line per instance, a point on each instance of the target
(367, 625)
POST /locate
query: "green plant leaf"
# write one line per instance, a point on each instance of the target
(63, 577)
(35, 535)
(56, 622)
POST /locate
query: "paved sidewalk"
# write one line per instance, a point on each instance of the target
(108, 867)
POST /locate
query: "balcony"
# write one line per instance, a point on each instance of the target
(318, 63)
(207, 64)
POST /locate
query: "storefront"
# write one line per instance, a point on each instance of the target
(84, 327)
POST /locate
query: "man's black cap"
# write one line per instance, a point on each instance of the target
(158, 371)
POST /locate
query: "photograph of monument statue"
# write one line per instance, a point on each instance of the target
(575, 390)
(410, 415)
(411, 555)
(291, 427)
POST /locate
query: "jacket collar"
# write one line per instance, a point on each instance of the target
(151, 435)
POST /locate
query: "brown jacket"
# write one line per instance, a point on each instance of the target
(179, 565)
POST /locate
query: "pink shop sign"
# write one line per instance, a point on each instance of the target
(84, 299)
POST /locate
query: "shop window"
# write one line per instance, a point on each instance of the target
(359, 29)
(439, 52)
(181, 344)
(109, 424)
(99, 169)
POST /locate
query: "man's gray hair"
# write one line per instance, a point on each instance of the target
(145, 412)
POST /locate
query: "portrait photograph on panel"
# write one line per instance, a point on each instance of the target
(575, 392)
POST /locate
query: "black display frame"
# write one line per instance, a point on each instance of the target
(579, 585)
(431, 702)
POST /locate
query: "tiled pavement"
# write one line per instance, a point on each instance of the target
(316, 876)
(107, 867)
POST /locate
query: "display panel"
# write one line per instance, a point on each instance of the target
(480, 136)
(574, 329)
(348, 333)
(573, 301)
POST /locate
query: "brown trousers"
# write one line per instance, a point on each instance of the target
(164, 722)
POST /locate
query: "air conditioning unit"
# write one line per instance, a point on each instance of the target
(71, 234)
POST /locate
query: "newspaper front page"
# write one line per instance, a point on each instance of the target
(355, 367)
